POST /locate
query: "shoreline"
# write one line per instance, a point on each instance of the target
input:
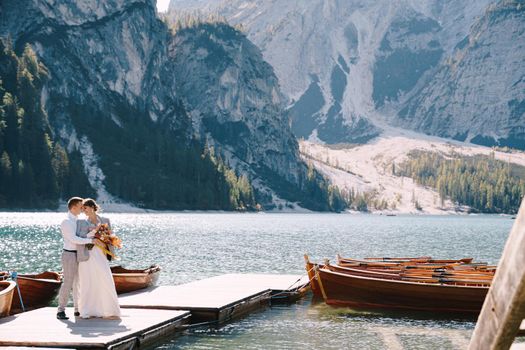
(346, 212)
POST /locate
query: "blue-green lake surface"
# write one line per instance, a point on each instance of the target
(192, 246)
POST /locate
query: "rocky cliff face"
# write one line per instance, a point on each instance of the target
(236, 106)
(478, 93)
(105, 62)
(128, 95)
(347, 67)
(105, 51)
(233, 97)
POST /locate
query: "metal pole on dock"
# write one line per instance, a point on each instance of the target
(504, 306)
(14, 276)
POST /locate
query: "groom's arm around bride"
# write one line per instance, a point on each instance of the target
(82, 230)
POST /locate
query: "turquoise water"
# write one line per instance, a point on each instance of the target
(190, 246)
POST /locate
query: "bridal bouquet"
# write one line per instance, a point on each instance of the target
(105, 235)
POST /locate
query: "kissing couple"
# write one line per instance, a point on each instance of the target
(85, 263)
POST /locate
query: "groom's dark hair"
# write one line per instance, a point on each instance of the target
(73, 201)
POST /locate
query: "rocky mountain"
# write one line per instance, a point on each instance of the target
(142, 106)
(478, 93)
(234, 99)
(348, 68)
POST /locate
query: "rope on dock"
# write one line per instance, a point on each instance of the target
(287, 290)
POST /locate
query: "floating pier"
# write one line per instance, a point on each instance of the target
(219, 299)
(137, 327)
(153, 313)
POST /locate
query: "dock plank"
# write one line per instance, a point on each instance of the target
(212, 299)
(41, 328)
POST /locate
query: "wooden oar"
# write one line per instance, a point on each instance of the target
(447, 281)
(423, 259)
(403, 258)
(448, 271)
(470, 278)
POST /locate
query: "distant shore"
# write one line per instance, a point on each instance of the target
(274, 211)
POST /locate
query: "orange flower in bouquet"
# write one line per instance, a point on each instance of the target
(106, 236)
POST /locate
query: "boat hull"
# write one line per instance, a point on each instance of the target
(37, 290)
(131, 280)
(7, 289)
(365, 292)
(314, 285)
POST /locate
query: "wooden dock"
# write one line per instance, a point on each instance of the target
(136, 328)
(153, 313)
(218, 299)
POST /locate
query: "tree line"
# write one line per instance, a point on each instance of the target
(482, 182)
(35, 170)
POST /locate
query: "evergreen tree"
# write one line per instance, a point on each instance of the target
(6, 176)
(3, 124)
(481, 182)
(13, 115)
(24, 132)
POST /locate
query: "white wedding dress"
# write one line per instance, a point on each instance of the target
(97, 297)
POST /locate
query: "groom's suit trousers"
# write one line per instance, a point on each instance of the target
(70, 280)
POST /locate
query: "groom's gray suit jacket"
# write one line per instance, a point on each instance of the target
(83, 228)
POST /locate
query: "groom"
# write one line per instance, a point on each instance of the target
(69, 257)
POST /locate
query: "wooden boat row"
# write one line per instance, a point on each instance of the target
(130, 280)
(419, 265)
(39, 290)
(7, 289)
(475, 277)
(434, 285)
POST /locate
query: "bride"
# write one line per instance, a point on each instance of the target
(97, 297)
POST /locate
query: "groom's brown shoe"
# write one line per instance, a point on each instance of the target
(77, 313)
(62, 315)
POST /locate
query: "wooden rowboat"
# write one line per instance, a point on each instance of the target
(368, 292)
(310, 271)
(402, 261)
(37, 290)
(130, 280)
(7, 289)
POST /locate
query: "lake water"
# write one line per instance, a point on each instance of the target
(191, 246)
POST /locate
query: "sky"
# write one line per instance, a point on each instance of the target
(162, 5)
